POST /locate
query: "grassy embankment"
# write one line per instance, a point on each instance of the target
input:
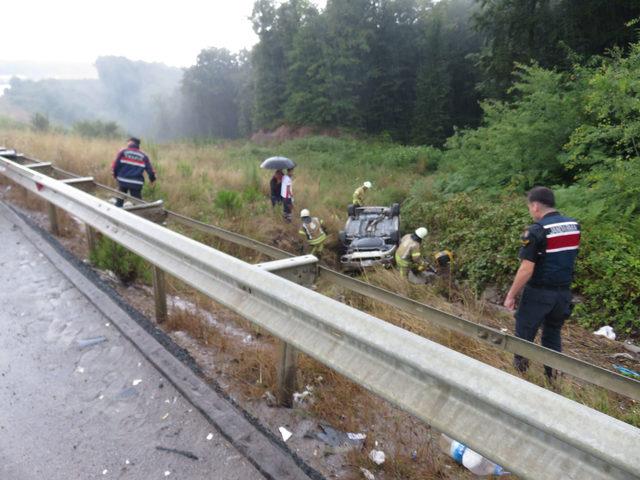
(221, 184)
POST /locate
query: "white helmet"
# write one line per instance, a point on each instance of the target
(366, 184)
(421, 232)
(304, 213)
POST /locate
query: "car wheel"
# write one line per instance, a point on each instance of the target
(395, 209)
(351, 210)
(395, 237)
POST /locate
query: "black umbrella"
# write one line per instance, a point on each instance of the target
(278, 163)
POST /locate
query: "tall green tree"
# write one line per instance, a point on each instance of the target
(519, 31)
(211, 88)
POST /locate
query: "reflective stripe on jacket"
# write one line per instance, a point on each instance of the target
(130, 165)
(408, 252)
(313, 231)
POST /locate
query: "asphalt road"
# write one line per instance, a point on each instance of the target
(69, 411)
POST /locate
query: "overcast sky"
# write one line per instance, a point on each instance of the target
(172, 32)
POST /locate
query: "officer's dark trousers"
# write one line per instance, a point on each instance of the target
(541, 307)
(133, 190)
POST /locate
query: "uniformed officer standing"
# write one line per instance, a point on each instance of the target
(548, 254)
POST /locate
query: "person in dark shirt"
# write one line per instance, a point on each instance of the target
(128, 169)
(276, 186)
(547, 261)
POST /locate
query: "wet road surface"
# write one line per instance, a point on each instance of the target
(74, 411)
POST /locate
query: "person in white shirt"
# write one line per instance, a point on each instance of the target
(286, 192)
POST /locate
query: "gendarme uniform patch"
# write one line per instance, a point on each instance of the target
(525, 238)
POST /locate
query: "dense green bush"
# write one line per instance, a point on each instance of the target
(575, 132)
(228, 201)
(97, 129)
(482, 233)
(109, 255)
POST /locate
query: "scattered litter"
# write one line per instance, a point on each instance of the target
(107, 324)
(128, 392)
(139, 364)
(179, 452)
(336, 438)
(473, 461)
(319, 379)
(286, 434)
(90, 342)
(127, 462)
(270, 399)
(167, 473)
(631, 347)
(210, 436)
(377, 456)
(606, 331)
(100, 397)
(303, 398)
(105, 471)
(628, 356)
(80, 369)
(165, 416)
(136, 382)
(414, 455)
(627, 371)
(167, 401)
(504, 330)
(367, 474)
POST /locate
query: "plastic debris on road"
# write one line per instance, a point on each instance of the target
(210, 436)
(136, 382)
(377, 456)
(286, 434)
(80, 369)
(90, 342)
(367, 474)
(337, 438)
(606, 331)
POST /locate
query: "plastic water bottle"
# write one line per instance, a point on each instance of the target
(473, 461)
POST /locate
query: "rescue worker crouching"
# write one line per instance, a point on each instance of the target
(360, 193)
(408, 256)
(312, 229)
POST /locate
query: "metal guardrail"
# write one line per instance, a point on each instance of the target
(533, 432)
(581, 369)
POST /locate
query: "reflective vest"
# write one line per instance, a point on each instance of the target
(408, 252)
(358, 196)
(557, 253)
(313, 231)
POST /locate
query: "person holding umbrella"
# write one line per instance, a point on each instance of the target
(286, 184)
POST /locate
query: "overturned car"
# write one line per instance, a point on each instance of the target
(370, 237)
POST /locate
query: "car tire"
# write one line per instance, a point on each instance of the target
(351, 210)
(342, 236)
(395, 237)
(395, 209)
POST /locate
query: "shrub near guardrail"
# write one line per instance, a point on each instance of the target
(127, 266)
(484, 235)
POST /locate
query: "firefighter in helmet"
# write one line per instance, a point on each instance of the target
(408, 256)
(312, 229)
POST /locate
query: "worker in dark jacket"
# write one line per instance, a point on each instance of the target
(129, 167)
(547, 259)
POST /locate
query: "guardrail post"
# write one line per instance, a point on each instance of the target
(159, 294)
(92, 240)
(303, 271)
(53, 219)
(287, 384)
